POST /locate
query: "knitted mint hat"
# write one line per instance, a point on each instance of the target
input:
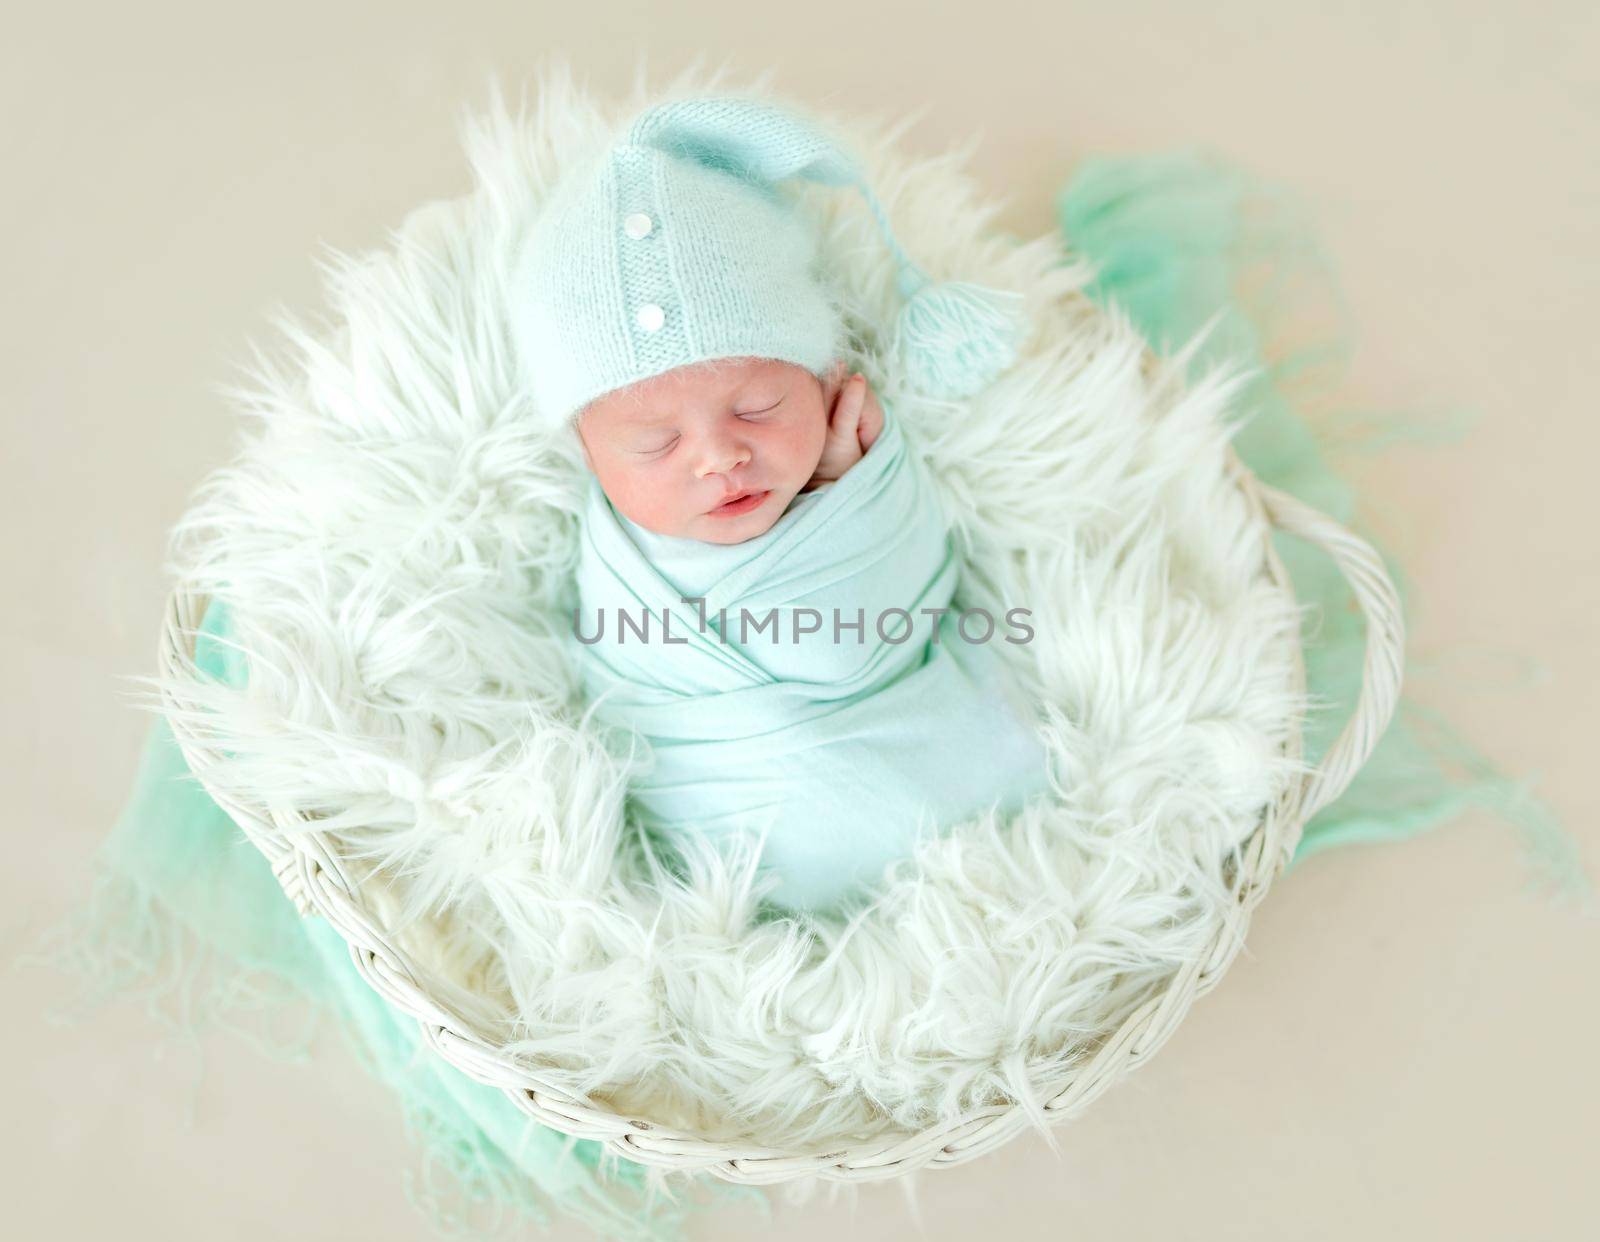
(676, 247)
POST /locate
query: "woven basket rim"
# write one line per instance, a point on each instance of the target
(308, 868)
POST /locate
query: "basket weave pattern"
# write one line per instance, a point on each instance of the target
(308, 868)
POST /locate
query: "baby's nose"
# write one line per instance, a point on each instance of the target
(722, 455)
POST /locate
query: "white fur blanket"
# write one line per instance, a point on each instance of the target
(396, 541)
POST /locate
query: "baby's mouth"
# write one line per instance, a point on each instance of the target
(739, 502)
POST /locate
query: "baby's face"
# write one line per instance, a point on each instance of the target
(670, 450)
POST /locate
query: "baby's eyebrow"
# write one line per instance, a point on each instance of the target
(642, 419)
(636, 415)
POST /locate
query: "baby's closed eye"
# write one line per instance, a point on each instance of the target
(656, 450)
(760, 414)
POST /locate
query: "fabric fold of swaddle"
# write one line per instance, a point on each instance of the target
(803, 691)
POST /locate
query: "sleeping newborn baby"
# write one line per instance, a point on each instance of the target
(750, 531)
(765, 574)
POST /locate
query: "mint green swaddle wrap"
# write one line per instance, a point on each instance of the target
(805, 706)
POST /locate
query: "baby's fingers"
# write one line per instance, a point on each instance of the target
(871, 423)
(847, 411)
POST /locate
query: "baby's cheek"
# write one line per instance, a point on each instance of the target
(803, 446)
(633, 494)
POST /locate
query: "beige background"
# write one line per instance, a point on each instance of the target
(1407, 1049)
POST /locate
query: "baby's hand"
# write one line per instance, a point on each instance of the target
(853, 426)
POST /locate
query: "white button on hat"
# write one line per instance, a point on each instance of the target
(638, 225)
(651, 317)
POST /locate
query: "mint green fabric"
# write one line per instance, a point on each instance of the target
(764, 713)
(184, 914)
(1182, 236)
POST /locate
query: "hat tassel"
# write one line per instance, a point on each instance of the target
(954, 338)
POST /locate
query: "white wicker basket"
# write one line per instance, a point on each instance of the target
(309, 869)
